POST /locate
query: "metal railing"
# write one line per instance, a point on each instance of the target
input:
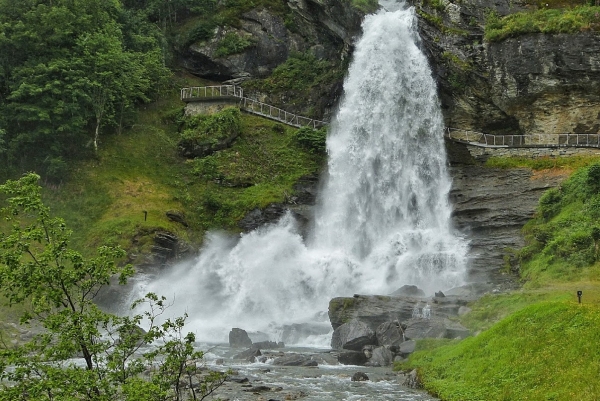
(527, 140)
(250, 105)
(211, 91)
(275, 113)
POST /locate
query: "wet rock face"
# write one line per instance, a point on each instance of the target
(325, 28)
(490, 207)
(528, 84)
(549, 83)
(269, 48)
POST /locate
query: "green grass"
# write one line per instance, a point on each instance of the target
(570, 20)
(490, 309)
(546, 351)
(541, 163)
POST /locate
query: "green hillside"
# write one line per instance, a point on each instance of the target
(535, 343)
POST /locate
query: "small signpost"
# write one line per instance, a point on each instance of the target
(145, 215)
(579, 294)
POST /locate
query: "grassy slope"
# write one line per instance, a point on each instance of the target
(141, 171)
(546, 351)
(104, 199)
(532, 344)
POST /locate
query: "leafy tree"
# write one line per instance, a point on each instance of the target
(38, 268)
(68, 69)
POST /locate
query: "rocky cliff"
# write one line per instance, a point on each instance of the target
(533, 83)
(323, 29)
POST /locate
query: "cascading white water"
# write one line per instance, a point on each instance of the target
(383, 218)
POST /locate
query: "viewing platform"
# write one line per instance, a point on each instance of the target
(235, 95)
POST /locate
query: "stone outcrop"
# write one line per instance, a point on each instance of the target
(534, 83)
(299, 203)
(490, 208)
(324, 28)
(383, 327)
(168, 248)
(374, 310)
(238, 338)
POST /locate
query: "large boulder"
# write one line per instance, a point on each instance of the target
(238, 338)
(295, 360)
(249, 355)
(407, 348)
(389, 333)
(352, 336)
(382, 356)
(352, 358)
(424, 328)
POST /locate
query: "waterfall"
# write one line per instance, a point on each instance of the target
(382, 219)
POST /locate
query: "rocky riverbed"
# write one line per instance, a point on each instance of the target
(275, 376)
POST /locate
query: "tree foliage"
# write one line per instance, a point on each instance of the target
(37, 267)
(68, 69)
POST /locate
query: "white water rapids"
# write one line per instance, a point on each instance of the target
(382, 220)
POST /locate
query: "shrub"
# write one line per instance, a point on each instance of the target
(233, 43)
(366, 6)
(593, 178)
(550, 203)
(311, 139)
(213, 127)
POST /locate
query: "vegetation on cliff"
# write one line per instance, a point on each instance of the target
(568, 20)
(300, 76)
(563, 239)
